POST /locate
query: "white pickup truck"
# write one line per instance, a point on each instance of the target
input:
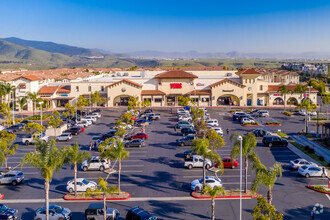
(197, 161)
(153, 116)
(31, 139)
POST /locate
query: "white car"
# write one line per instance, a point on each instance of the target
(96, 114)
(302, 112)
(295, 164)
(263, 113)
(213, 123)
(12, 177)
(93, 118)
(218, 130)
(311, 170)
(95, 163)
(247, 120)
(312, 113)
(55, 213)
(82, 185)
(82, 124)
(64, 137)
(211, 181)
(89, 122)
(126, 126)
(2, 127)
(184, 118)
(181, 110)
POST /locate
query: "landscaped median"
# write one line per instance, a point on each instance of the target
(1, 196)
(82, 197)
(228, 195)
(287, 113)
(319, 188)
(270, 123)
(251, 124)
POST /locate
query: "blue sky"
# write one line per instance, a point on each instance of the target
(287, 26)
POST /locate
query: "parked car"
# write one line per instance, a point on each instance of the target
(64, 137)
(25, 121)
(135, 143)
(95, 212)
(18, 127)
(109, 134)
(9, 131)
(142, 136)
(187, 131)
(185, 118)
(82, 185)
(271, 141)
(95, 114)
(262, 113)
(82, 124)
(186, 141)
(142, 122)
(197, 161)
(240, 118)
(228, 163)
(73, 131)
(82, 128)
(238, 114)
(197, 185)
(213, 122)
(184, 124)
(95, 163)
(137, 213)
(153, 116)
(181, 110)
(12, 177)
(7, 213)
(88, 121)
(31, 139)
(218, 130)
(55, 213)
(295, 164)
(312, 170)
(261, 133)
(2, 127)
(189, 153)
(247, 120)
(92, 118)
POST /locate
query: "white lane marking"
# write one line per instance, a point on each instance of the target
(123, 171)
(219, 176)
(328, 196)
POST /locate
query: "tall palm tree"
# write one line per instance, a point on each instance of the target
(21, 103)
(2, 91)
(300, 88)
(74, 157)
(213, 193)
(284, 90)
(248, 146)
(33, 96)
(115, 151)
(8, 88)
(267, 178)
(47, 158)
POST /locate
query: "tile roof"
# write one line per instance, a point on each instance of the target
(64, 89)
(226, 80)
(175, 74)
(127, 81)
(48, 89)
(152, 92)
(200, 92)
(29, 77)
(275, 88)
(248, 72)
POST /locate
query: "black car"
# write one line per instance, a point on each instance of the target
(189, 153)
(270, 141)
(186, 131)
(7, 213)
(260, 133)
(136, 213)
(73, 131)
(17, 127)
(135, 143)
(109, 134)
(26, 121)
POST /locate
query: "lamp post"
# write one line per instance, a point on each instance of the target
(90, 97)
(240, 139)
(308, 116)
(40, 103)
(14, 111)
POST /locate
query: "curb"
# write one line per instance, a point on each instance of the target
(250, 125)
(274, 125)
(223, 197)
(287, 115)
(1, 196)
(312, 188)
(96, 199)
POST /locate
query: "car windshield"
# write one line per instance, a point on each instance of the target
(303, 167)
(3, 208)
(296, 161)
(85, 181)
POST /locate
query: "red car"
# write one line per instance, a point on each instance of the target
(142, 136)
(228, 163)
(81, 128)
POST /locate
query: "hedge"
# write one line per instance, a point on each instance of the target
(273, 123)
(319, 118)
(287, 113)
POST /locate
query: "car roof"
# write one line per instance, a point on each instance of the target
(79, 179)
(141, 212)
(13, 172)
(95, 206)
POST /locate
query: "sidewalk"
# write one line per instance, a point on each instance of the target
(319, 150)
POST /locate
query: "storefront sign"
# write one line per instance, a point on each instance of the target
(200, 84)
(277, 94)
(176, 85)
(306, 95)
(45, 96)
(64, 95)
(228, 90)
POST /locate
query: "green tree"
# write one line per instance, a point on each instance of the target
(95, 98)
(48, 159)
(133, 104)
(73, 157)
(70, 110)
(55, 121)
(82, 102)
(7, 148)
(6, 111)
(213, 193)
(145, 103)
(115, 151)
(267, 178)
(284, 91)
(184, 100)
(216, 141)
(33, 96)
(103, 190)
(265, 211)
(300, 88)
(21, 103)
(249, 144)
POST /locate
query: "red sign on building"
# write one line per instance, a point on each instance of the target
(176, 85)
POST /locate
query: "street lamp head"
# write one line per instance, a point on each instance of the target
(239, 138)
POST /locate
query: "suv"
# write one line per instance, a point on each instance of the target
(184, 124)
(186, 131)
(270, 141)
(95, 212)
(12, 177)
(186, 141)
(95, 163)
(64, 137)
(7, 213)
(136, 213)
(73, 130)
(262, 113)
(109, 134)
(213, 122)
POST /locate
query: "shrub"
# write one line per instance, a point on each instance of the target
(320, 188)
(249, 110)
(311, 150)
(287, 113)
(307, 147)
(269, 123)
(321, 158)
(277, 123)
(37, 117)
(319, 118)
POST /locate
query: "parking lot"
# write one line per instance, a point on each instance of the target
(155, 177)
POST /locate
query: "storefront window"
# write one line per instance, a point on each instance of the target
(158, 99)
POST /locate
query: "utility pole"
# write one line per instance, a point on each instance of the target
(240, 138)
(40, 103)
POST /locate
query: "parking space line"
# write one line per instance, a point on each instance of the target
(219, 176)
(327, 196)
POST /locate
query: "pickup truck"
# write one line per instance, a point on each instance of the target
(153, 116)
(31, 139)
(186, 141)
(197, 161)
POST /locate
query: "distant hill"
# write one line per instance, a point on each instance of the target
(55, 48)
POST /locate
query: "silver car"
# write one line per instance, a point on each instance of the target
(55, 213)
(95, 163)
(12, 177)
(95, 212)
(64, 137)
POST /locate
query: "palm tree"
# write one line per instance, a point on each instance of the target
(8, 89)
(104, 190)
(115, 151)
(284, 90)
(300, 88)
(74, 157)
(33, 96)
(213, 193)
(248, 146)
(21, 103)
(2, 91)
(47, 158)
(267, 178)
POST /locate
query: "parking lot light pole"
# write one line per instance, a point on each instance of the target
(40, 103)
(240, 139)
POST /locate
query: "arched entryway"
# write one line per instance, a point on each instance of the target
(292, 101)
(278, 101)
(121, 100)
(228, 100)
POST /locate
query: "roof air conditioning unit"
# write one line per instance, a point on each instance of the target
(229, 74)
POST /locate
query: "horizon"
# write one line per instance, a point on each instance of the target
(218, 26)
